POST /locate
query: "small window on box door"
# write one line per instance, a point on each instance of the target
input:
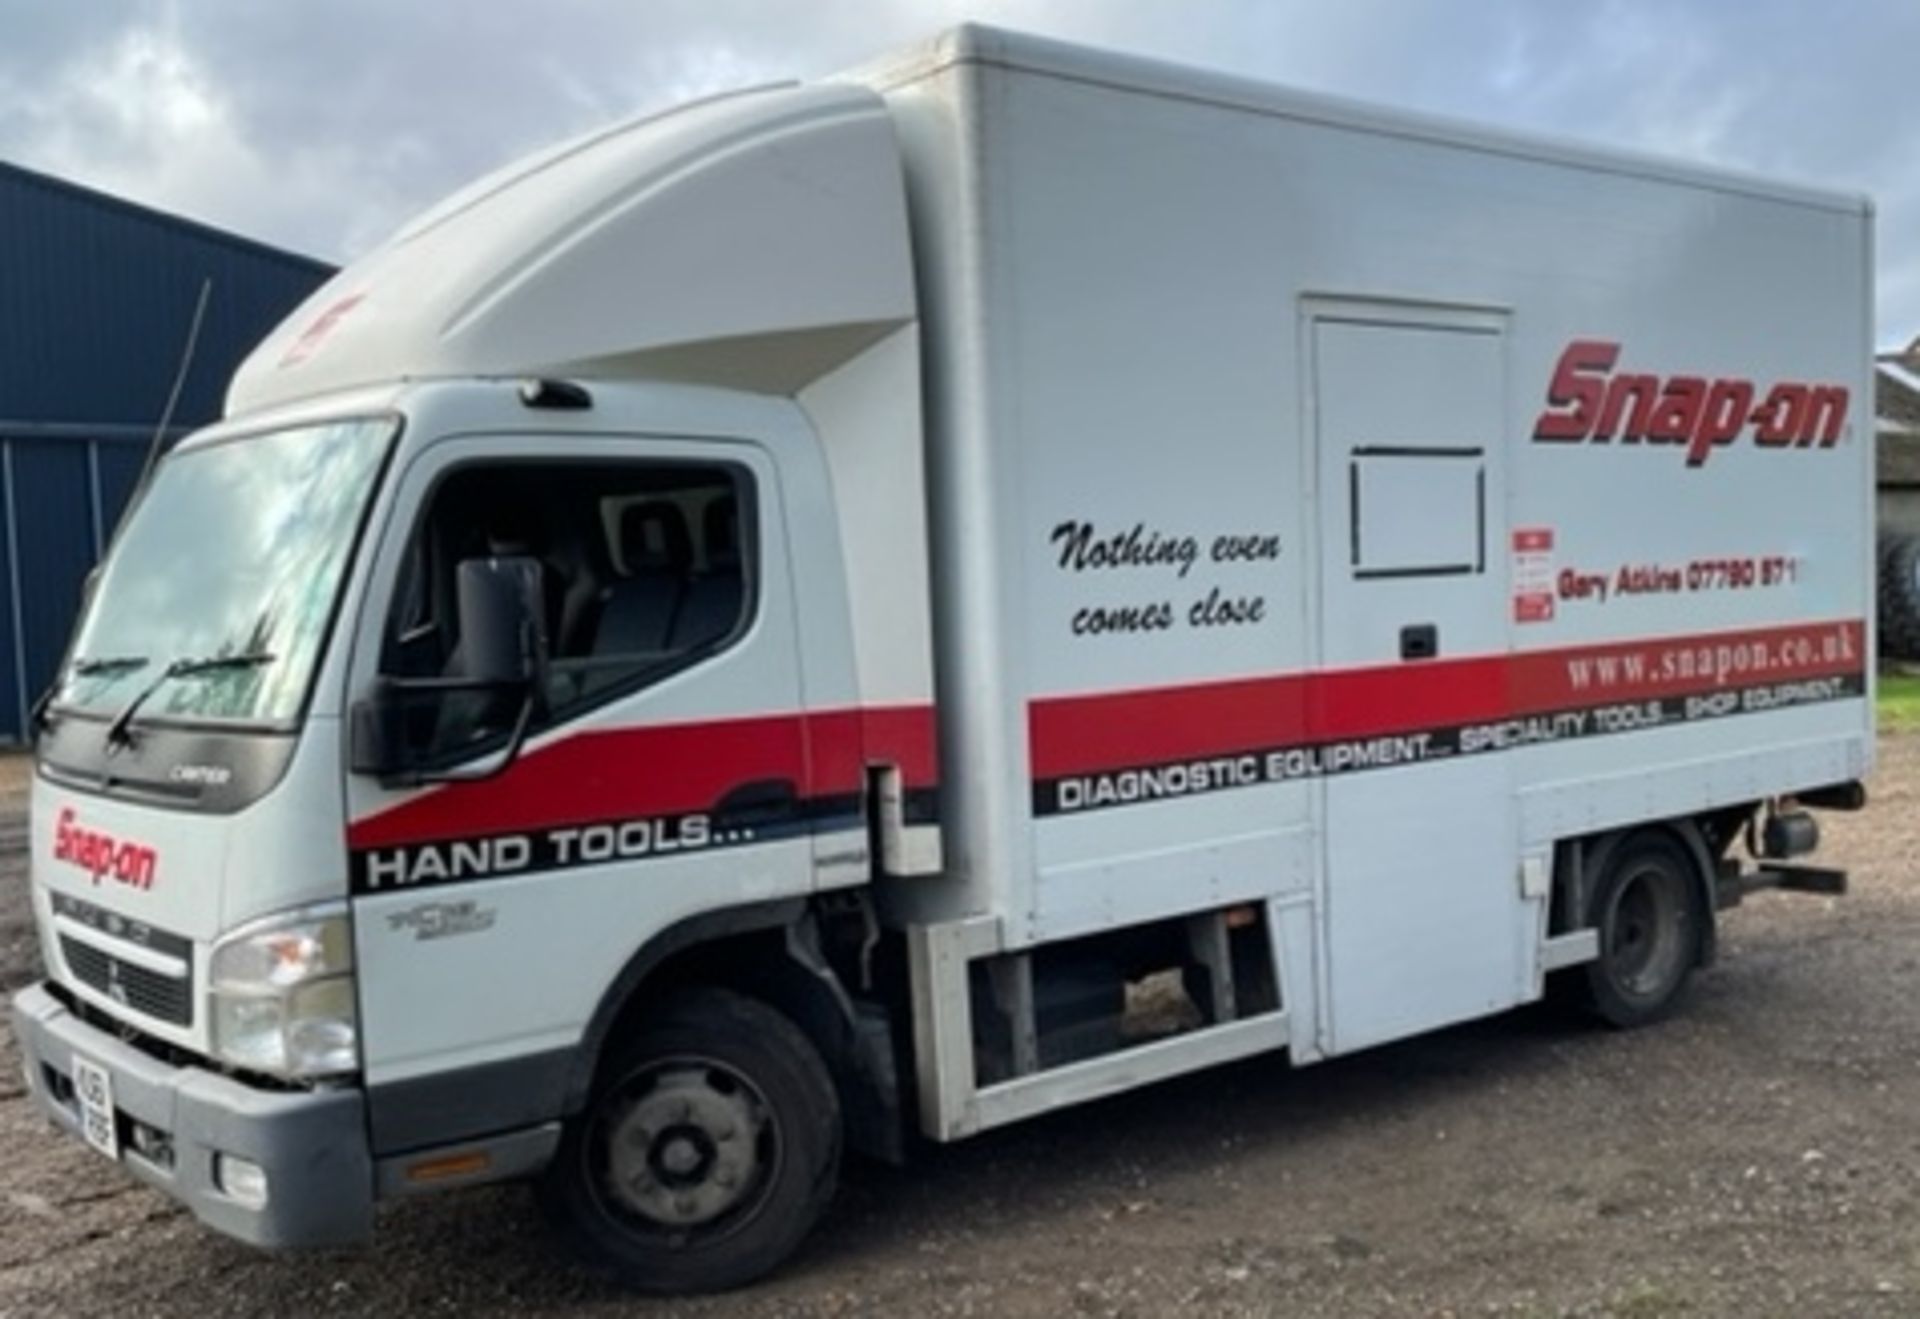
(645, 570)
(1417, 512)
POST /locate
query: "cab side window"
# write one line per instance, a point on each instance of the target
(644, 570)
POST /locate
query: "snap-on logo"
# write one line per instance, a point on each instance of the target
(316, 333)
(102, 855)
(1586, 400)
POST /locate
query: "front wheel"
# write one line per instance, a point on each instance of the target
(1648, 912)
(709, 1148)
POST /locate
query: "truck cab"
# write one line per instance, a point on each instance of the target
(521, 551)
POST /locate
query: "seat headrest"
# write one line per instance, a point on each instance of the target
(654, 538)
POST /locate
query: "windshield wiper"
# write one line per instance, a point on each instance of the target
(39, 717)
(118, 733)
(87, 668)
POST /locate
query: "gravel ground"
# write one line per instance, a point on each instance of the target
(1756, 1155)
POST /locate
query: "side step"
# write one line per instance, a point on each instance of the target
(1046, 1027)
(1093, 1078)
(1732, 886)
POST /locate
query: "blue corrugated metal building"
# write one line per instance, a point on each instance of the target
(96, 298)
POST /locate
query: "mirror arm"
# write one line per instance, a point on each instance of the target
(497, 763)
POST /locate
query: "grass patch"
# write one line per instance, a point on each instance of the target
(1899, 704)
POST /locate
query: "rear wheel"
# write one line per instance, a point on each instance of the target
(710, 1147)
(1899, 596)
(1646, 907)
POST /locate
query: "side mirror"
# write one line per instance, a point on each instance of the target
(499, 606)
(412, 730)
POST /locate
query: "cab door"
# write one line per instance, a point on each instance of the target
(1424, 920)
(662, 773)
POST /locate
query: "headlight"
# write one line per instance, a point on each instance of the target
(283, 995)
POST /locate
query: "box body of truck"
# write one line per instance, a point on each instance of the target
(976, 537)
(1338, 513)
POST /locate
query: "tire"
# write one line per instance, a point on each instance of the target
(1899, 597)
(709, 1148)
(1648, 910)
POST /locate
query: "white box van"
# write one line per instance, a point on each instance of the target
(763, 628)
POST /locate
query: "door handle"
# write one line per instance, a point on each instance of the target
(1419, 641)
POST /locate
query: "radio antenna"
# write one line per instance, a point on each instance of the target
(179, 383)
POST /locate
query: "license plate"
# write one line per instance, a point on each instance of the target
(94, 1088)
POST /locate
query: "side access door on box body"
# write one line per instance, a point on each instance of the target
(1424, 922)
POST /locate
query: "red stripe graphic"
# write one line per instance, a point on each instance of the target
(664, 769)
(661, 770)
(1116, 730)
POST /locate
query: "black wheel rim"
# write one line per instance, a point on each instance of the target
(683, 1151)
(1647, 933)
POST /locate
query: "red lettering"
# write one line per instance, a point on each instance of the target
(1678, 413)
(1781, 416)
(102, 855)
(1586, 401)
(1721, 419)
(1577, 384)
(1642, 392)
(1826, 414)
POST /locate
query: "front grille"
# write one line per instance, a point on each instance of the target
(162, 997)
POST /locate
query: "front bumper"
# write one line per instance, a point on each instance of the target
(312, 1144)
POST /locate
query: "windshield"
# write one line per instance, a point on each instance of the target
(219, 589)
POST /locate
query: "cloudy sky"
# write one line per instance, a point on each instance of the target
(321, 125)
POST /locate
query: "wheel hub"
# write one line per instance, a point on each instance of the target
(685, 1149)
(680, 1155)
(1648, 934)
